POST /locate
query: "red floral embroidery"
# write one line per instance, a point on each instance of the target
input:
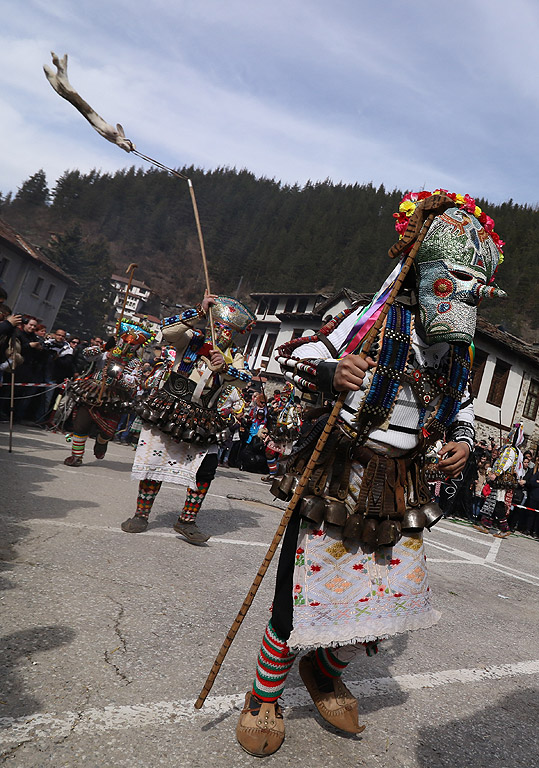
(297, 588)
(397, 594)
(314, 604)
(363, 599)
(315, 568)
(358, 567)
(381, 589)
(395, 561)
(318, 532)
(299, 551)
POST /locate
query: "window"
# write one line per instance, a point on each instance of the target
(477, 371)
(290, 304)
(297, 333)
(271, 338)
(272, 307)
(50, 293)
(38, 286)
(302, 304)
(251, 344)
(262, 307)
(531, 406)
(498, 383)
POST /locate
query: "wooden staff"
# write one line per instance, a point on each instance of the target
(129, 271)
(203, 252)
(11, 403)
(371, 335)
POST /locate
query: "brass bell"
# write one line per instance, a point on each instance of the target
(154, 416)
(189, 435)
(388, 533)
(433, 513)
(353, 528)
(283, 488)
(313, 508)
(369, 534)
(414, 520)
(168, 427)
(335, 512)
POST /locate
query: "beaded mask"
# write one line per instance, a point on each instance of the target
(455, 264)
(230, 316)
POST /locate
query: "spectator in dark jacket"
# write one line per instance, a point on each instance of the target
(531, 524)
(30, 370)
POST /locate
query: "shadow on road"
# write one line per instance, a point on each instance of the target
(503, 735)
(24, 645)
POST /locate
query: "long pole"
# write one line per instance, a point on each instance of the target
(203, 252)
(371, 335)
(11, 405)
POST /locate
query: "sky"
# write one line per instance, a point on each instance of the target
(410, 95)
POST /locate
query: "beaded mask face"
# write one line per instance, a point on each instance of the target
(455, 264)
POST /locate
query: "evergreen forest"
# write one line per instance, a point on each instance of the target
(260, 236)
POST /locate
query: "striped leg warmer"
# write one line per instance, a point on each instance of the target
(193, 502)
(147, 491)
(77, 445)
(274, 662)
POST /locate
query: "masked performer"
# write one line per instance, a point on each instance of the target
(352, 565)
(281, 430)
(502, 481)
(182, 425)
(108, 392)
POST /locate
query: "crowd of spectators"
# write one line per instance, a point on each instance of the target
(517, 498)
(39, 362)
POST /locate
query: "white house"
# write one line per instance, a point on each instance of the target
(139, 293)
(505, 384)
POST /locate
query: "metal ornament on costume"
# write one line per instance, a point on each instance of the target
(183, 409)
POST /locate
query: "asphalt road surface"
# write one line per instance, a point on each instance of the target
(107, 637)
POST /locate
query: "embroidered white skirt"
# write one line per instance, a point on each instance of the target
(344, 595)
(159, 457)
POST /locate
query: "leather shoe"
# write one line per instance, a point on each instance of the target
(338, 707)
(136, 524)
(190, 532)
(260, 729)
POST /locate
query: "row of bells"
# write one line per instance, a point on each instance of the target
(112, 400)
(180, 425)
(373, 531)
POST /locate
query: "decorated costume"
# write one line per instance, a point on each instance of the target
(352, 566)
(108, 392)
(182, 426)
(501, 483)
(282, 428)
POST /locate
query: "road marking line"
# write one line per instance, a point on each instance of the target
(479, 539)
(162, 713)
(493, 551)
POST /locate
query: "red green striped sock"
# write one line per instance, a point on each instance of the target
(77, 445)
(193, 502)
(274, 662)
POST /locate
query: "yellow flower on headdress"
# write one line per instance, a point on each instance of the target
(477, 211)
(459, 199)
(407, 207)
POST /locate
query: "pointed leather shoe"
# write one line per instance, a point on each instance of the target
(260, 729)
(338, 707)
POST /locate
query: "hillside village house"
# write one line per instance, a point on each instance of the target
(35, 285)
(506, 369)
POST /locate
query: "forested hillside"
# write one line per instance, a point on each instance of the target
(259, 234)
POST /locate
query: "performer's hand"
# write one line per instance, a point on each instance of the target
(453, 458)
(15, 320)
(350, 373)
(216, 359)
(207, 301)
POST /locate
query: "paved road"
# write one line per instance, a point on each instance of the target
(107, 637)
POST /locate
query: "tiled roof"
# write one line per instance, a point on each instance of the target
(513, 343)
(15, 240)
(138, 283)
